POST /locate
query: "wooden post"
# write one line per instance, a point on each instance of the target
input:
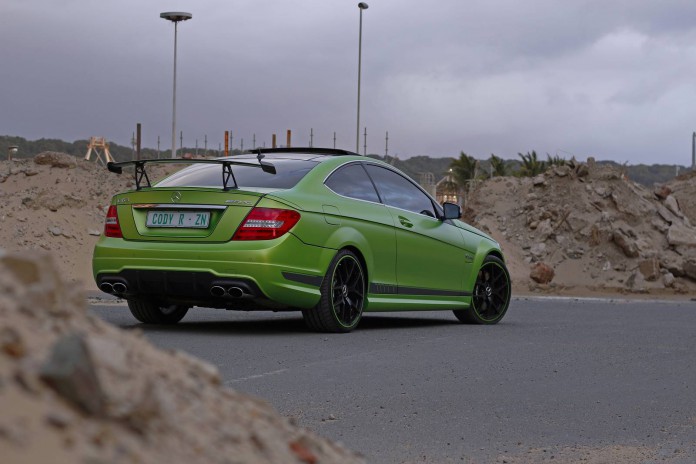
(227, 143)
(274, 141)
(289, 144)
(137, 141)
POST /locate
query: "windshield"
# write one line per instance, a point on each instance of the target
(288, 174)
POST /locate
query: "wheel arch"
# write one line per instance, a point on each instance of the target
(356, 251)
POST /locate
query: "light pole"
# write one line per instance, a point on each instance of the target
(362, 6)
(175, 17)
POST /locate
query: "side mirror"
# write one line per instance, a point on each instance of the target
(452, 211)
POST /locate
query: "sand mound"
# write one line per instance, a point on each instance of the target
(57, 202)
(595, 228)
(75, 389)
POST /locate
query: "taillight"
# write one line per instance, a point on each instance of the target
(266, 224)
(111, 227)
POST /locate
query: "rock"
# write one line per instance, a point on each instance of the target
(303, 453)
(539, 180)
(538, 250)
(635, 282)
(690, 269)
(544, 229)
(582, 170)
(541, 273)
(668, 280)
(59, 419)
(94, 232)
(673, 206)
(650, 268)
(561, 171)
(680, 235)
(625, 243)
(662, 192)
(55, 231)
(659, 225)
(666, 214)
(11, 342)
(71, 373)
(55, 159)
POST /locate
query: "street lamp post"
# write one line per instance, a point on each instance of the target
(362, 6)
(175, 17)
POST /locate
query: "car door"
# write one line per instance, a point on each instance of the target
(361, 211)
(430, 254)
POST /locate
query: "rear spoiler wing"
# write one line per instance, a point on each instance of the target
(227, 173)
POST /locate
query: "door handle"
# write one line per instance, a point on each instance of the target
(405, 222)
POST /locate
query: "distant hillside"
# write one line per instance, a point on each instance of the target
(414, 166)
(29, 148)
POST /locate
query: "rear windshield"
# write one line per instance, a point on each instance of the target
(288, 174)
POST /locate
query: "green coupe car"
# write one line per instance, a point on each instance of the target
(327, 232)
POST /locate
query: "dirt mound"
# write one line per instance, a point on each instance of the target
(57, 202)
(76, 389)
(594, 227)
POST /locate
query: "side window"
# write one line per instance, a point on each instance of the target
(352, 181)
(400, 192)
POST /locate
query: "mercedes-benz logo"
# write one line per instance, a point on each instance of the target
(176, 197)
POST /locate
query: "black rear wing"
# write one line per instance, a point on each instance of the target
(227, 173)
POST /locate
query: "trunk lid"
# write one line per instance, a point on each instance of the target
(183, 214)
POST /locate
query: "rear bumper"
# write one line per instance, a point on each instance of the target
(186, 272)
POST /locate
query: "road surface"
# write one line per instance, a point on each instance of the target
(557, 379)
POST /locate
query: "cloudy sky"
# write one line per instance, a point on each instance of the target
(615, 79)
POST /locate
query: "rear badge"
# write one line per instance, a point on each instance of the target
(176, 197)
(240, 202)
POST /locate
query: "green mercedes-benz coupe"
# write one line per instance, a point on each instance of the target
(327, 232)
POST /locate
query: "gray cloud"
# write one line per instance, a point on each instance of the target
(609, 79)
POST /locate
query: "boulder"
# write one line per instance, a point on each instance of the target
(71, 373)
(541, 273)
(625, 243)
(636, 282)
(668, 280)
(55, 159)
(539, 180)
(582, 170)
(680, 235)
(673, 206)
(650, 268)
(690, 269)
(662, 192)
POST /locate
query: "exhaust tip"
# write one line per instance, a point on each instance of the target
(106, 287)
(120, 287)
(218, 291)
(235, 292)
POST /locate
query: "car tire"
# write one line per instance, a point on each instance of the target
(342, 296)
(491, 295)
(149, 312)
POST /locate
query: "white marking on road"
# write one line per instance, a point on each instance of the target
(255, 376)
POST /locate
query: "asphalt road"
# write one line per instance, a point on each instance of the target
(557, 377)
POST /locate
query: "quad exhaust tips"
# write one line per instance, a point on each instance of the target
(234, 292)
(113, 287)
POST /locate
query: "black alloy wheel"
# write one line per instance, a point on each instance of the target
(491, 295)
(342, 296)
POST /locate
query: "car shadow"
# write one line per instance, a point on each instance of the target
(287, 325)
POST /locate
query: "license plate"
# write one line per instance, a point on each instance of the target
(187, 219)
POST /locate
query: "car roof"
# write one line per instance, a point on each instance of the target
(295, 153)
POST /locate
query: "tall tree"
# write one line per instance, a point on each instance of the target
(531, 165)
(498, 166)
(464, 170)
